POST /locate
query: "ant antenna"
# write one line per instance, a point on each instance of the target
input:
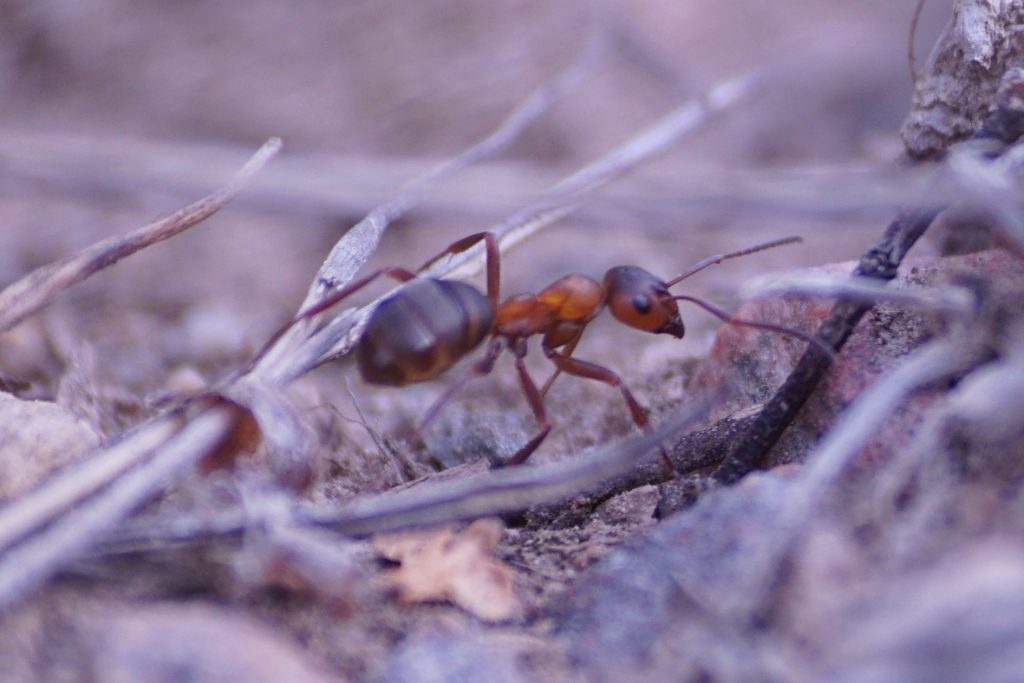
(726, 318)
(713, 260)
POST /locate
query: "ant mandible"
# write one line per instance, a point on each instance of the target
(430, 324)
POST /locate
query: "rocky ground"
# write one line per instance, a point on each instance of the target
(879, 540)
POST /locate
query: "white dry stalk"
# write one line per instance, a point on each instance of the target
(326, 185)
(950, 299)
(76, 505)
(486, 494)
(991, 187)
(31, 562)
(37, 289)
(497, 492)
(352, 250)
(80, 482)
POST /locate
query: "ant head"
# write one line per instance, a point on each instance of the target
(642, 301)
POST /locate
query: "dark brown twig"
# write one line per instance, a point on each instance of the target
(495, 492)
(911, 59)
(1004, 126)
(880, 262)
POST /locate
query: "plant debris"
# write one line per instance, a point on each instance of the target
(452, 565)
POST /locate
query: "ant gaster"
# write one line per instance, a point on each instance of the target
(431, 324)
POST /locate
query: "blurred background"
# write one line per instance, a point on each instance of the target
(113, 113)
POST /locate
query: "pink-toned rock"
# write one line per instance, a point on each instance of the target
(752, 363)
(37, 438)
(167, 643)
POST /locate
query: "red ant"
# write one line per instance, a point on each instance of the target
(431, 324)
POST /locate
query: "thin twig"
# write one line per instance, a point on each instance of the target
(495, 492)
(352, 251)
(37, 289)
(911, 59)
(33, 561)
(1003, 126)
(948, 299)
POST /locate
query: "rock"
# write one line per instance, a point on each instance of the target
(952, 95)
(638, 614)
(440, 657)
(961, 619)
(633, 507)
(751, 363)
(167, 643)
(37, 438)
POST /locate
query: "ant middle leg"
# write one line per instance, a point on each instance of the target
(536, 400)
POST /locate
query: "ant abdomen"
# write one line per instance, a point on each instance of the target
(423, 330)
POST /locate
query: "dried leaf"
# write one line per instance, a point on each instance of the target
(442, 564)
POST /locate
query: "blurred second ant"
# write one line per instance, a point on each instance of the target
(430, 324)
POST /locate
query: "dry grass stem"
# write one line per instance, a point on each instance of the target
(948, 299)
(70, 488)
(326, 186)
(992, 187)
(64, 534)
(352, 250)
(37, 289)
(488, 494)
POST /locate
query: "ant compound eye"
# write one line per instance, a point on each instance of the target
(642, 305)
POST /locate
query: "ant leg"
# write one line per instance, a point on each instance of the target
(400, 274)
(493, 261)
(479, 369)
(566, 351)
(588, 370)
(536, 401)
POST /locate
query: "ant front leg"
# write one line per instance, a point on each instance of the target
(588, 370)
(536, 401)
